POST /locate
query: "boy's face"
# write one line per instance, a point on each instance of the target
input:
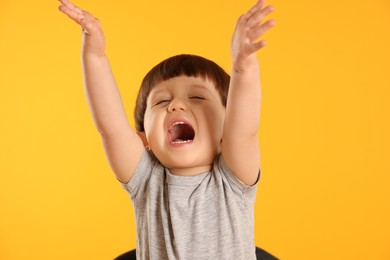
(183, 124)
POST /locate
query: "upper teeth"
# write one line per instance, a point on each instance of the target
(176, 123)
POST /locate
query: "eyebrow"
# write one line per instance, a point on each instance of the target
(157, 91)
(200, 87)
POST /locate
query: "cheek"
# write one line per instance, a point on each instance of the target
(148, 123)
(219, 127)
(153, 125)
(215, 123)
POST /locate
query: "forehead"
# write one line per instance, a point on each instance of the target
(184, 83)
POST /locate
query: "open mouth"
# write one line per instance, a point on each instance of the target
(180, 133)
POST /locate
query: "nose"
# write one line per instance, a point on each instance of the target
(177, 105)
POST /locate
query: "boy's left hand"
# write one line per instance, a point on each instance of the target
(249, 28)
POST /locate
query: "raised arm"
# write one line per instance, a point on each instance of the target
(240, 146)
(122, 145)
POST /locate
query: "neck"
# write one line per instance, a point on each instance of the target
(192, 171)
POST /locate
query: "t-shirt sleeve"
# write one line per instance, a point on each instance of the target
(248, 191)
(136, 185)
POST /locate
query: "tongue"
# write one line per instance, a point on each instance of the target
(182, 132)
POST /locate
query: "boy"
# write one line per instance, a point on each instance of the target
(194, 186)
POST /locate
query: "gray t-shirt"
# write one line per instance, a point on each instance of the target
(207, 216)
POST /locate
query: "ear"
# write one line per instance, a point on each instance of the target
(143, 138)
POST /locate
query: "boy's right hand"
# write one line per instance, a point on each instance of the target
(93, 36)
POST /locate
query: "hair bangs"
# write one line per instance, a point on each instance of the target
(180, 65)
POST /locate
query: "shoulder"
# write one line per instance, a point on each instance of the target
(147, 167)
(222, 168)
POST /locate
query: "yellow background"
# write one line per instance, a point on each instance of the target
(324, 132)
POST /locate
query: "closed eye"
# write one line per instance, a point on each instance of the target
(197, 97)
(160, 102)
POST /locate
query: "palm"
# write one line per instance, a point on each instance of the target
(249, 28)
(93, 36)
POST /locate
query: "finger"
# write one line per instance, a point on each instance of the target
(259, 16)
(71, 6)
(256, 7)
(260, 30)
(74, 15)
(253, 10)
(74, 12)
(86, 25)
(88, 15)
(258, 45)
(90, 26)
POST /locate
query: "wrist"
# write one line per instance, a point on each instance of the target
(93, 45)
(246, 66)
(93, 55)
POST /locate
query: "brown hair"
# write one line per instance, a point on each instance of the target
(184, 64)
